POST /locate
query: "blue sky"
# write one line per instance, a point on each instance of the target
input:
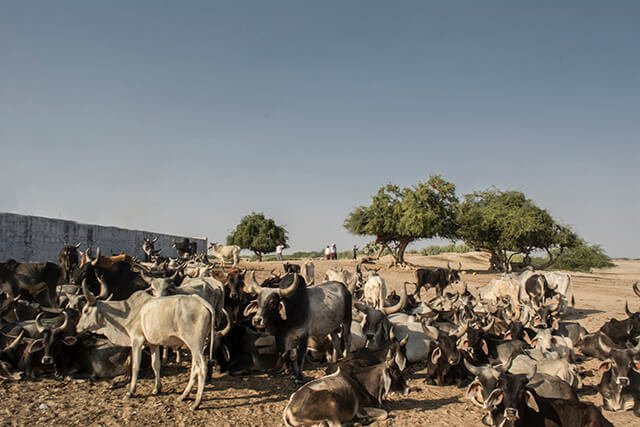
(183, 116)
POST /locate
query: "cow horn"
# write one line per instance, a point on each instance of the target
(461, 330)
(65, 323)
(272, 272)
(91, 299)
(607, 349)
(287, 292)
(39, 326)
(400, 305)
(104, 289)
(16, 342)
(225, 331)
(155, 239)
(94, 262)
(626, 309)
(490, 325)
(636, 290)
(254, 285)
(475, 370)
(78, 245)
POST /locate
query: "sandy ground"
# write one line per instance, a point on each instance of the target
(259, 400)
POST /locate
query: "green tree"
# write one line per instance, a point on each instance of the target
(506, 223)
(583, 257)
(258, 234)
(398, 216)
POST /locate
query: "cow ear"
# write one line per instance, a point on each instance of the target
(474, 393)
(485, 347)
(555, 324)
(531, 401)
(69, 340)
(533, 342)
(250, 309)
(494, 399)
(282, 311)
(604, 367)
(35, 346)
(435, 356)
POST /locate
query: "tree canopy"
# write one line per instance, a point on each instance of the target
(398, 216)
(506, 223)
(258, 234)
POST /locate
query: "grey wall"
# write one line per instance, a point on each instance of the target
(34, 238)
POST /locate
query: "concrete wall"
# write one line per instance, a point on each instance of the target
(34, 238)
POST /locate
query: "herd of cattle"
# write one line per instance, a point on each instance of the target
(508, 345)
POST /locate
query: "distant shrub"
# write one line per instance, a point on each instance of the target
(437, 250)
(583, 258)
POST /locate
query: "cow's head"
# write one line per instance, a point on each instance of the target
(446, 353)
(619, 365)
(509, 399)
(453, 275)
(375, 325)
(270, 307)
(91, 318)
(291, 268)
(235, 283)
(53, 336)
(392, 378)
(68, 258)
(161, 286)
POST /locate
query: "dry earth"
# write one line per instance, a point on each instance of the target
(259, 400)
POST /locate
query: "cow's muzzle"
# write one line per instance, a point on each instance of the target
(623, 381)
(47, 360)
(511, 414)
(258, 322)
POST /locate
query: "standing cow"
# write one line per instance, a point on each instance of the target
(229, 251)
(144, 320)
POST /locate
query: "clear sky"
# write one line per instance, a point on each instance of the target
(181, 117)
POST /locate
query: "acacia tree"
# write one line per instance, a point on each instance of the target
(506, 223)
(398, 216)
(258, 234)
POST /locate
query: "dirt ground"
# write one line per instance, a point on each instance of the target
(259, 400)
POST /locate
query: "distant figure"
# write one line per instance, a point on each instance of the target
(355, 252)
(327, 252)
(279, 250)
(334, 251)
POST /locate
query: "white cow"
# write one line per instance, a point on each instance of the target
(225, 251)
(166, 321)
(375, 290)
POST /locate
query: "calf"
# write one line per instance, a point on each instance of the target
(375, 291)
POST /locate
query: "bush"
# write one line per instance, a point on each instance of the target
(437, 250)
(583, 258)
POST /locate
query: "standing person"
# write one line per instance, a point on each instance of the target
(355, 252)
(334, 251)
(327, 252)
(279, 250)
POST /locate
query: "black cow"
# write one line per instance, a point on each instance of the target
(291, 268)
(438, 278)
(535, 287)
(353, 392)
(245, 350)
(185, 248)
(118, 280)
(620, 383)
(514, 403)
(30, 279)
(444, 366)
(235, 297)
(292, 313)
(621, 331)
(68, 259)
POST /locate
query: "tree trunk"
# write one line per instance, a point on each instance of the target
(258, 255)
(402, 247)
(383, 246)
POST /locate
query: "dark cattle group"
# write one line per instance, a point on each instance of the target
(507, 345)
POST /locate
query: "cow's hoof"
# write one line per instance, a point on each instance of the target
(128, 395)
(182, 397)
(156, 391)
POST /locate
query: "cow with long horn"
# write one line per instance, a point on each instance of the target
(292, 313)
